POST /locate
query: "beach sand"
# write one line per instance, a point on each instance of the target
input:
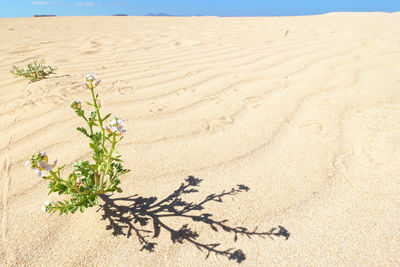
(302, 111)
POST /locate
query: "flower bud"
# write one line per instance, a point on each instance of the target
(97, 83)
(76, 104)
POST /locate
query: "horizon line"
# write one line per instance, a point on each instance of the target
(200, 15)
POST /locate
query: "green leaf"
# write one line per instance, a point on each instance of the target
(83, 130)
(93, 146)
(80, 112)
(107, 116)
(53, 188)
(93, 115)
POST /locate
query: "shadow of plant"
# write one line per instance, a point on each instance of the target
(139, 212)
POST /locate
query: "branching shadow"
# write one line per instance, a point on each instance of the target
(138, 212)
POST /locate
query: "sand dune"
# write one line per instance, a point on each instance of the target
(304, 111)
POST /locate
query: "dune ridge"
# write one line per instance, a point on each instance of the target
(302, 110)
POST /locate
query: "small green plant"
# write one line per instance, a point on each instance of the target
(36, 71)
(88, 179)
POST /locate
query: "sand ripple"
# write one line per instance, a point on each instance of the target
(303, 110)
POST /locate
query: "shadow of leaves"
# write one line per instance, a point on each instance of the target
(132, 214)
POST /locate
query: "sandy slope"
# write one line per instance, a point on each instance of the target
(305, 111)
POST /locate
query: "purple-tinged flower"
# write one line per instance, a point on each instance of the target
(115, 126)
(90, 77)
(97, 83)
(91, 81)
(40, 162)
(45, 206)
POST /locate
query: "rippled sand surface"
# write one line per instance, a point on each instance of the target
(302, 112)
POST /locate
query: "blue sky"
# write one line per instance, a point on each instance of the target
(26, 8)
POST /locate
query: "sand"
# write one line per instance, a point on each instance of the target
(304, 112)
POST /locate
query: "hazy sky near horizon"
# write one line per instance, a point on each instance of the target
(28, 8)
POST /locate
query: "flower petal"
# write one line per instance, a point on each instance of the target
(121, 129)
(38, 172)
(45, 204)
(47, 167)
(41, 164)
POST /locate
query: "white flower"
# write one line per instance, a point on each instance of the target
(39, 163)
(91, 80)
(38, 172)
(115, 126)
(90, 77)
(46, 204)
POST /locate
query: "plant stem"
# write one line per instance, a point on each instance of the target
(90, 126)
(80, 201)
(109, 159)
(63, 182)
(98, 117)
